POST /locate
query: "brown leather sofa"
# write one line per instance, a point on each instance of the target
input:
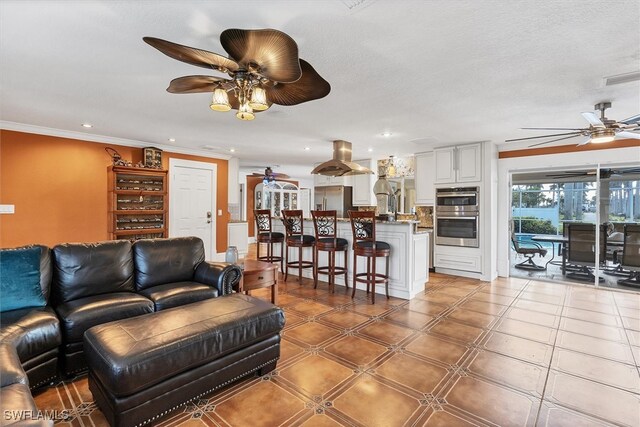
(95, 283)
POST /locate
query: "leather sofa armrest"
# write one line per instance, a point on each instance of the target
(221, 275)
(11, 371)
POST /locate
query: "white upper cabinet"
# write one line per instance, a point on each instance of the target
(462, 163)
(363, 185)
(425, 178)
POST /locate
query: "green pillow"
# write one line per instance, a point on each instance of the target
(20, 279)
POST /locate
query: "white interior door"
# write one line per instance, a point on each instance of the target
(192, 202)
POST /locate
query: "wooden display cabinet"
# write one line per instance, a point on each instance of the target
(137, 203)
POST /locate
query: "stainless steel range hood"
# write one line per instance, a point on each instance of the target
(341, 163)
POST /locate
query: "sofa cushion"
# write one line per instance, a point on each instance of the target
(133, 354)
(17, 404)
(79, 315)
(160, 261)
(20, 279)
(179, 293)
(85, 269)
(32, 331)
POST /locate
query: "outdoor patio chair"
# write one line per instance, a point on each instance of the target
(582, 250)
(631, 255)
(529, 253)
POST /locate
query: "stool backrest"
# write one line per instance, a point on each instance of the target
(263, 220)
(363, 226)
(292, 220)
(324, 223)
(631, 246)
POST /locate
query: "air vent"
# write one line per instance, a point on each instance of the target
(357, 4)
(211, 147)
(621, 78)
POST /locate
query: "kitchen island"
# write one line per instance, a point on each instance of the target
(408, 269)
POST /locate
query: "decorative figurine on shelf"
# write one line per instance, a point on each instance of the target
(152, 157)
(116, 158)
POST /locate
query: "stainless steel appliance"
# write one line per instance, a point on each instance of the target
(463, 199)
(457, 217)
(333, 197)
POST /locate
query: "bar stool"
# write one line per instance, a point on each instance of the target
(324, 223)
(265, 235)
(363, 226)
(293, 225)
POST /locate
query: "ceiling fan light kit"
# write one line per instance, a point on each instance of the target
(263, 66)
(602, 136)
(601, 130)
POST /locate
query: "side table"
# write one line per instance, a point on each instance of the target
(257, 275)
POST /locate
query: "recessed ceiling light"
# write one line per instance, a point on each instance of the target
(370, 150)
(307, 148)
(87, 125)
(233, 150)
(386, 134)
(172, 140)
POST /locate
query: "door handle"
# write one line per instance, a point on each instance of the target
(208, 214)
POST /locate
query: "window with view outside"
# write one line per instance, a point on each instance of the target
(543, 208)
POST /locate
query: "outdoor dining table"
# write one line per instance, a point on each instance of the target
(562, 242)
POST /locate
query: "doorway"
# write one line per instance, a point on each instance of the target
(192, 202)
(568, 226)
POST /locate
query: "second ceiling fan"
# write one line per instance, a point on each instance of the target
(600, 130)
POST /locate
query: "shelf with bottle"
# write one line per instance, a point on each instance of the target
(137, 203)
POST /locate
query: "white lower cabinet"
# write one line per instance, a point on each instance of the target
(238, 236)
(455, 258)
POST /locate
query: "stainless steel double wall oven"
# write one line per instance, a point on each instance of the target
(457, 216)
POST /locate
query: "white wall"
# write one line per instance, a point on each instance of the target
(564, 161)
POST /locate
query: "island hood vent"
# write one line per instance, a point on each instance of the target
(341, 164)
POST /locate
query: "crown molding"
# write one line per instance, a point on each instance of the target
(103, 139)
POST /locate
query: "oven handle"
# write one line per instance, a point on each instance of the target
(456, 194)
(458, 217)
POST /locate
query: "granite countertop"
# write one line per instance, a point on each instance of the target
(236, 221)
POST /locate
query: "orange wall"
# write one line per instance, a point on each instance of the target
(59, 189)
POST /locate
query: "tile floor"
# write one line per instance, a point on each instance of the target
(512, 352)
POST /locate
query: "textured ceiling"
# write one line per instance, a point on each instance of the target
(429, 72)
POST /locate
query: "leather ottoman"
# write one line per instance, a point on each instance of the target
(142, 368)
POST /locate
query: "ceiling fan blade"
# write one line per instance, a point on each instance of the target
(576, 129)
(567, 175)
(310, 86)
(627, 135)
(195, 84)
(544, 136)
(553, 140)
(192, 55)
(586, 141)
(270, 53)
(593, 119)
(632, 119)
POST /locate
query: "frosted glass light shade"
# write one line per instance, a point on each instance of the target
(602, 136)
(245, 112)
(258, 99)
(220, 100)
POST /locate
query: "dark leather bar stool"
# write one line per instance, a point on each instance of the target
(363, 226)
(324, 223)
(293, 225)
(265, 235)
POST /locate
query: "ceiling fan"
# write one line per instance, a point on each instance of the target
(263, 67)
(604, 173)
(600, 130)
(270, 175)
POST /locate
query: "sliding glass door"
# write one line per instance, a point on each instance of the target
(569, 226)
